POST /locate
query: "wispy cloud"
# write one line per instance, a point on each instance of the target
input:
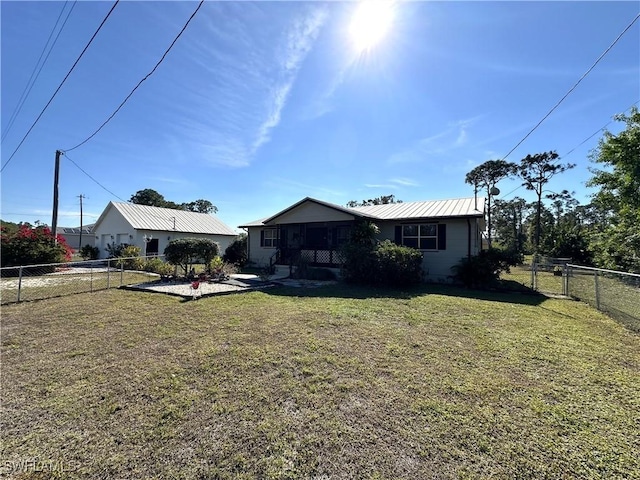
(405, 182)
(244, 74)
(454, 136)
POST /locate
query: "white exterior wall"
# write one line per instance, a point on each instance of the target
(437, 263)
(115, 229)
(112, 228)
(257, 254)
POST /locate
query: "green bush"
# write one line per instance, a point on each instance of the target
(130, 258)
(483, 270)
(397, 265)
(89, 252)
(236, 252)
(383, 263)
(184, 252)
(156, 265)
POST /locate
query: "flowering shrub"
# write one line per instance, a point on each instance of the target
(33, 246)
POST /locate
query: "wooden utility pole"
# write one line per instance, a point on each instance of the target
(56, 176)
(81, 196)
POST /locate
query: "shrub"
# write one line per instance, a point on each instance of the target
(236, 252)
(33, 246)
(397, 265)
(130, 258)
(482, 270)
(89, 253)
(384, 263)
(184, 252)
(155, 265)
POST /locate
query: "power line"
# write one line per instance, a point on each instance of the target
(96, 181)
(140, 82)
(577, 146)
(29, 86)
(59, 86)
(574, 86)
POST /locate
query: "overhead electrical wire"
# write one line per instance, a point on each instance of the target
(34, 75)
(574, 86)
(96, 181)
(60, 86)
(601, 129)
(140, 82)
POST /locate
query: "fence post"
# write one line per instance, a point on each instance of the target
(108, 274)
(91, 277)
(121, 272)
(19, 282)
(565, 280)
(597, 290)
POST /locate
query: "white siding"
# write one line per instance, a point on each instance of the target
(257, 254)
(310, 212)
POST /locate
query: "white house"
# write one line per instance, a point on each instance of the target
(444, 231)
(152, 228)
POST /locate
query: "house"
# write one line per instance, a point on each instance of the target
(73, 237)
(445, 231)
(152, 228)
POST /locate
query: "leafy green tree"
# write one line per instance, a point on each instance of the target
(184, 252)
(382, 200)
(617, 244)
(509, 223)
(152, 198)
(149, 197)
(536, 171)
(487, 176)
(200, 206)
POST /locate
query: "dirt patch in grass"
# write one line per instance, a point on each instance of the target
(337, 382)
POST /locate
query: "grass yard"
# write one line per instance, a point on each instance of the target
(37, 287)
(331, 383)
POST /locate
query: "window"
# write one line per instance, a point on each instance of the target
(269, 238)
(423, 237)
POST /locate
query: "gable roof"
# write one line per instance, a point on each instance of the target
(453, 208)
(145, 217)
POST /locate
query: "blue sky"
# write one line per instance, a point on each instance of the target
(259, 105)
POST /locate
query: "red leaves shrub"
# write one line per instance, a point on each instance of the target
(33, 246)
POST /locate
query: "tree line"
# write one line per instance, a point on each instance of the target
(604, 233)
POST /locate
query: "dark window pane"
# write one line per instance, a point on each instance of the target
(410, 242)
(410, 230)
(428, 230)
(427, 243)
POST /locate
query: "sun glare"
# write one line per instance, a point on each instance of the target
(371, 23)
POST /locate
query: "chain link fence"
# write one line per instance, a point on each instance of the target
(615, 293)
(36, 282)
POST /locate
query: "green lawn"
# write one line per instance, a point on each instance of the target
(331, 383)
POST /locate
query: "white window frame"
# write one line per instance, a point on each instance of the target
(270, 241)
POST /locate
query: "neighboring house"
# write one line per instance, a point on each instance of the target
(445, 231)
(72, 235)
(152, 228)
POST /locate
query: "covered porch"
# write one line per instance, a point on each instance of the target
(316, 243)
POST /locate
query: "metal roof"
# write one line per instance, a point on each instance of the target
(457, 207)
(144, 217)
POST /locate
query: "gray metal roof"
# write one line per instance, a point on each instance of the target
(144, 217)
(457, 207)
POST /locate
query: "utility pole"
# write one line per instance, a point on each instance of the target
(56, 176)
(81, 196)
